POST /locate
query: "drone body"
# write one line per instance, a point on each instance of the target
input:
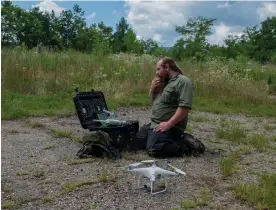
(153, 172)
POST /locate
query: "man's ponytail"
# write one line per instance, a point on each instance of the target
(172, 64)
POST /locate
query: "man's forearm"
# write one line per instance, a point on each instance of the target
(179, 115)
(152, 96)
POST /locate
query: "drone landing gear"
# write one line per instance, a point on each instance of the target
(151, 186)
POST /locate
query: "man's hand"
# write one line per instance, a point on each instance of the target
(156, 85)
(162, 127)
(180, 113)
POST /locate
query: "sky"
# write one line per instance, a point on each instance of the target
(157, 19)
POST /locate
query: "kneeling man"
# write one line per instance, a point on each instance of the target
(171, 95)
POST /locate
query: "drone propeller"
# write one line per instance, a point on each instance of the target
(148, 161)
(177, 170)
(134, 164)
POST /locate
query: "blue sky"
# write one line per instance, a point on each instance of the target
(157, 20)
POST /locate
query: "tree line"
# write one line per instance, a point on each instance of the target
(69, 30)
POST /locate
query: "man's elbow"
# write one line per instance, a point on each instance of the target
(184, 109)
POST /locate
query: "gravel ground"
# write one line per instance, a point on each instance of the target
(41, 171)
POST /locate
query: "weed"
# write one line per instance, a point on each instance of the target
(61, 133)
(262, 194)
(13, 131)
(258, 141)
(190, 128)
(22, 173)
(134, 156)
(228, 163)
(269, 127)
(68, 187)
(80, 161)
(49, 146)
(35, 124)
(217, 87)
(46, 199)
(106, 177)
(199, 118)
(231, 132)
(38, 174)
(8, 204)
(201, 200)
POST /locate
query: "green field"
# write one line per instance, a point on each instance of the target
(44, 84)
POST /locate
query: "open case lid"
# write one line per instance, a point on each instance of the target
(89, 106)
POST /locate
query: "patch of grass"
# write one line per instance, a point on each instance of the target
(76, 139)
(69, 187)
(22, 173)
(39, 174)
(93, 206)
(49, 146)
(262, 194)
(8, 204)
(34, 124)
(214, 140)
(46, 199)
(79, 161)
(269, 127)
(13, 131)
(222, 105)
(65, 134)
(190, 128)
(228, 163)
(258, 141)
(105, 177)
(199, 118)
(126, 83)
(203, 199)
(134, 156)
(273, 138)
(61, 133)
(16, 105)
(61, 105)
(231, 132)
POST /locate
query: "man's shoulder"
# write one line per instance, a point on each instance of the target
(182, 79)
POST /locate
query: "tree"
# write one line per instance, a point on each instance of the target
(131, 43)
(70, 24)
(118, 36)
(194, 36)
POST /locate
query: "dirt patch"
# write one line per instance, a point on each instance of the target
(40, 169)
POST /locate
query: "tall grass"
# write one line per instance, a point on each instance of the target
(220, 85)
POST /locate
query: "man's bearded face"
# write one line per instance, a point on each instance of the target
(161, 72)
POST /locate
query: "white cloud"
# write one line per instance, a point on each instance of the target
(91, 16)
(155, 20)
(48, 6)
(266, 10)
(221, 32)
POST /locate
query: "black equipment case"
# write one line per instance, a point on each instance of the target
(90, 105)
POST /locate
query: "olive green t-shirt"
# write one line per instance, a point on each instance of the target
(177, 93)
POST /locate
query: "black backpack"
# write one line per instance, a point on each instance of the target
(98, 144)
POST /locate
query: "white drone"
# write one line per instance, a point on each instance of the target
(153, 173)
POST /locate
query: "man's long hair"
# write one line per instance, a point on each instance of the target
(172, 64)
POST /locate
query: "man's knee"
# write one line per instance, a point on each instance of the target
(140, 140)
(161, 144)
